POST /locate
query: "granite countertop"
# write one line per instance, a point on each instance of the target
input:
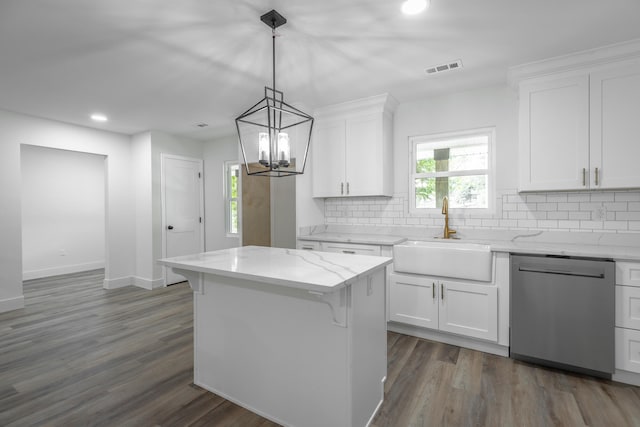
(366, 239)
(307, 270)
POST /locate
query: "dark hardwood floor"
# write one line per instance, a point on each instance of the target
(79, 355)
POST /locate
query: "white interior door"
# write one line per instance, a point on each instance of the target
(182, 222)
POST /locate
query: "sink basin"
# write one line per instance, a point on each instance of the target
(472, 261)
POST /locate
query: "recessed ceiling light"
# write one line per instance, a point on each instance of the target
(97, 117)
(413, 7)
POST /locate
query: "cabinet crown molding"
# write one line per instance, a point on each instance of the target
(384, 103)
(575, 61)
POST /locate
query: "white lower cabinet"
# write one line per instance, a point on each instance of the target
(413, 300)
(308, 245)
(627, 331)
(628, 350)
(351, 248)
(464, 308)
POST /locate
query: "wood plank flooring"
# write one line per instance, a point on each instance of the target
(79, 355)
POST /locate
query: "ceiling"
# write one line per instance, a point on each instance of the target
(169, 65)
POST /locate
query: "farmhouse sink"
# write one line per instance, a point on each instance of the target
(472, 261)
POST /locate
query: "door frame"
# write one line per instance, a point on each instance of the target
(163, 199)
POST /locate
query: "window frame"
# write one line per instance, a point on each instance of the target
(227, 167)
(489, 211)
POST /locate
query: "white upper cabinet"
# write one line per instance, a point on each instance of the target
(554, 134)
(580, 121)
(615, 126)
(353, 148)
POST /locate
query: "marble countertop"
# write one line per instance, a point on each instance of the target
(576, 244)
(620, 253)
(308, 270)
(366, 239)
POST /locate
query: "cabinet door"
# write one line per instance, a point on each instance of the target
(469, 309)
(363, 162)
(615, 126)
(554, 134)
(413, 300)
(328, 159)
(628, 350)
(628, 307)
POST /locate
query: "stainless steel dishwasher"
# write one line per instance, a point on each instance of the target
(563, 312)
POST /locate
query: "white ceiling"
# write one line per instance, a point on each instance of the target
(168, 65)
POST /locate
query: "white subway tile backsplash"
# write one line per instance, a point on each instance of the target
(569, 224)
(592, 225)
(628, 216)
(547, 207)
(580, 215)
(602, 197)
(569, 206)
(558, 215)
(536, 198)
(634, 206)
(578, 197)
(602, 211)
(627, 197)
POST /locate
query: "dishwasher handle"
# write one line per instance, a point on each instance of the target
(560, 272)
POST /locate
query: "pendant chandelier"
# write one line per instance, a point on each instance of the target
(274, 136)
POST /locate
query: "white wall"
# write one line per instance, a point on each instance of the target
(487, 107)
(17, 129)
(309, 211)
(215, 154)
(146, 150)
(63, 211)
(141, 176)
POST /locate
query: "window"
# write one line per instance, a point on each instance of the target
(456, 165)
(231, 173)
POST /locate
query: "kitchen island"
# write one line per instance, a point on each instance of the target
(296, 336)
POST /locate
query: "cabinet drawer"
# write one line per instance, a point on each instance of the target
(347, 248)
(308, 245)
(628, 273)
(628, 350)
(628, 307)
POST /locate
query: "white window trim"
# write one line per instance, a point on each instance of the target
(489, 212)
(227, 215)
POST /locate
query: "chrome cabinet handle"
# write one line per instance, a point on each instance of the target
(348, 252)
(442, 291)
(347, 188)
(342, 188)
(584, 177)
(433, 289)
(596, 177)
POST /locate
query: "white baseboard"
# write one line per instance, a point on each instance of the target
(10, 304)
(626, 377)
(64, 269)
(447, 338)
(133, 281)
(147, 283)
(117, 283)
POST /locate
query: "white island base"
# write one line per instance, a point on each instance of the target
(299, 357)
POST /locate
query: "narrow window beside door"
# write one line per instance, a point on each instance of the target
(232, 172)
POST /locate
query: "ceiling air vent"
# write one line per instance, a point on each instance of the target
(449, 66)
